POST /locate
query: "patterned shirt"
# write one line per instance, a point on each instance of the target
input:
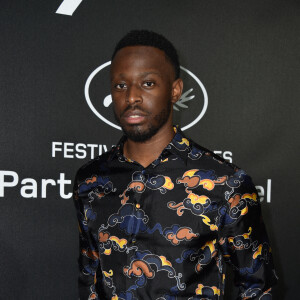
(164, 232)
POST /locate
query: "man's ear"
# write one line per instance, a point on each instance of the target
(177, 87)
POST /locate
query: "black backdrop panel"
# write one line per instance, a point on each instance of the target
(240, 61)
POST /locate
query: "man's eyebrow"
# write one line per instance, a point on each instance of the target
(144, 74)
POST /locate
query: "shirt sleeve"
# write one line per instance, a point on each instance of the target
(88, 260)
(243, 238)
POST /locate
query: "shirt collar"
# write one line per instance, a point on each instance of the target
(179, 146)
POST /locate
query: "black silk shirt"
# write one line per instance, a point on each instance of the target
(165, 232)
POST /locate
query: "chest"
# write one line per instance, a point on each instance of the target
(135, 202)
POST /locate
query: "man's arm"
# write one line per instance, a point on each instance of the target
(88, 261)
(243, 239)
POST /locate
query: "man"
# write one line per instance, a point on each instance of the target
(158, 214)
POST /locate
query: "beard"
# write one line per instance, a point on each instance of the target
(135, 133)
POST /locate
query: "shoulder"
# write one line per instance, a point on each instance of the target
(95, 166)
(202, 156)
(205, 159)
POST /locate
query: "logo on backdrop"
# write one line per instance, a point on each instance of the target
(188, 111)
(68, 7)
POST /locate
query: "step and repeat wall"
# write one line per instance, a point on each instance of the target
(240, 67)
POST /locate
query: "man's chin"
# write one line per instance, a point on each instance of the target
(138, 135)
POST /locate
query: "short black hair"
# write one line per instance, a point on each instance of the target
(153, 39)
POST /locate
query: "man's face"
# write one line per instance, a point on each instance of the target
(142, 88)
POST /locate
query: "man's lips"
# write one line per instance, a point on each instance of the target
(133, 117)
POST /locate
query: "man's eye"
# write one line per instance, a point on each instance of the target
(148, 83)
(120, 86)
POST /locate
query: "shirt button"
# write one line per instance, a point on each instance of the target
(137, 205)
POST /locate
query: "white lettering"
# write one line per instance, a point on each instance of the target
(269, 191)
(45, 182)
(80, 149)
(54, 148)
(61, 181)
(68, 7)
(32, 187)
(260, 192)
(92, 146)
(227, 155)
(218, 152)
(67, 150)
(3, 184)
(100, 150)
(104, 148)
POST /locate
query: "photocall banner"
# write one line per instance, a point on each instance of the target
(240, 68)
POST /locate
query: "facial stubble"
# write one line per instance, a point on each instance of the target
(134, 131)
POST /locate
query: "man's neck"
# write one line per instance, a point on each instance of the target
(146, 152)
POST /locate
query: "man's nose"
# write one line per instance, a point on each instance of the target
(133, 94)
